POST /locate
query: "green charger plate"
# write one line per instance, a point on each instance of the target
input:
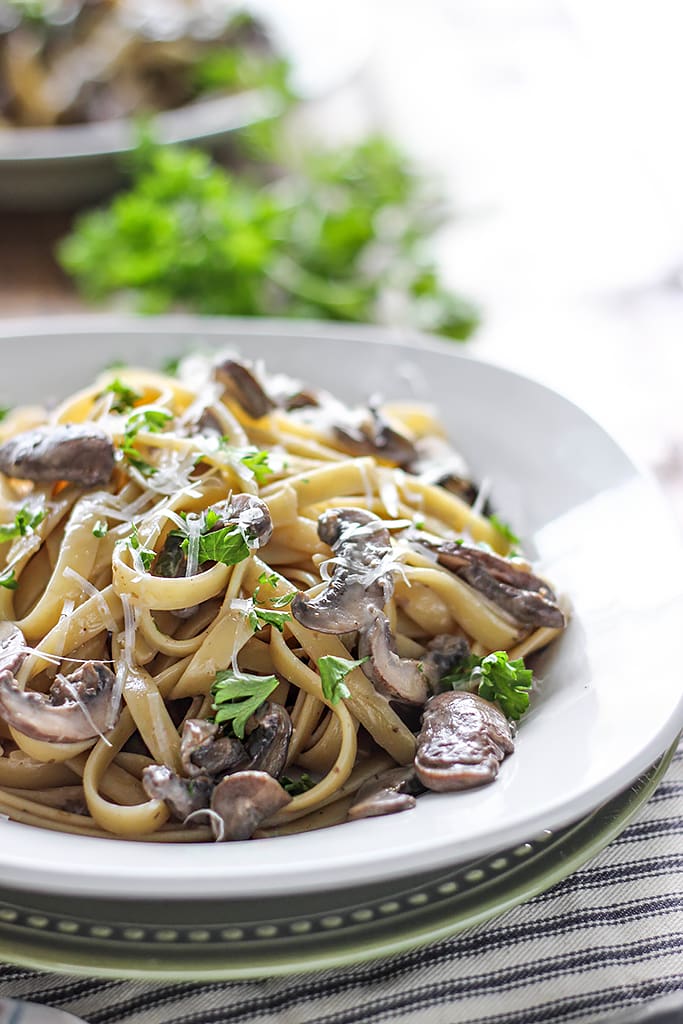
(238, 939)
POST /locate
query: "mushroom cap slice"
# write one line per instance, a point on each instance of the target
(525, 597)
(401, 679)
(196, 733)
(463, 740)
(268, 741)
(359, 587)
(78, 707)
(251, 515)
(182, 796)
(78, 453)
(245, 800)
(388, 793)
(371, 434)
(241, 384)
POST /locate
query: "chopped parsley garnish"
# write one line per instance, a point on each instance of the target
(4, 411)
(226, 545)
(333, 671)
(171, 366)
(24, 521)
(145, 554)
(497, 679)
(237, 697)
(100, 529)
(260, 617)
(124, 397)
(151, 420)
(7, 580)
(503, 529)
(257, 462)
(295, 787)
(272, 579)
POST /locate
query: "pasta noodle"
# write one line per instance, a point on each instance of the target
(221, 545)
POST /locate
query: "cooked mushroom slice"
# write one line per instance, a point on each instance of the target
(77, 708)
(359, 589)
(405, 679)
(220, 756)
(80, 454)
(241, 385)
(268, 741)
(526, 598)
(372, 435)
(388, 793)
(252, 516)
(182, 796)
(462, 742)
(196, 733)
(244, 800)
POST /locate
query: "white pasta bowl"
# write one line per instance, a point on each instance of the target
(609, 698)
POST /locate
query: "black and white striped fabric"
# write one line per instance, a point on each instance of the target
(608, 938)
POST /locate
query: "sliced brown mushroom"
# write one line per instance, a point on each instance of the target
(359, 589)
(240, 384)
(269, 731)
(182, 796)
(388, 793)
(196, 732)
(79, 454)
(370, 434)
(526, 598)
(251, 515)
(462, 742)
(78, 707)
(245, 800)
(220, 756)
(407, 680)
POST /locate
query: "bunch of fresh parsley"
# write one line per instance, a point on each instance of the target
(339, 234)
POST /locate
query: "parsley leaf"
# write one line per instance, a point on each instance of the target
(236, 698)
(271, 579)
(504, 529)
(190, 233)
(226, 545)
(295, 787)
(100, 529)
(332, 673)
(260, 617)
(125, 397)
(495, 678)
(151, 420)
(146, 555)
(24, 521)
(7, 580)
(257, 462)
(4, 411)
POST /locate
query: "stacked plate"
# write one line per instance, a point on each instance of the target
(588, 754)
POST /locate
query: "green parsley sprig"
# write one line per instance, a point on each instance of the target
(333, 671)
(237, 697)
(504, 529)
(24, 521)
(146, 555)
(151, 420)
(8, 581)
(497, 679)
(124, 397)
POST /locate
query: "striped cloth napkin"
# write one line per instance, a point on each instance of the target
(608, 938)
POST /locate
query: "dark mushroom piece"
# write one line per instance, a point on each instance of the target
(372, 435)
(78, 707)
(182, 796)
(79, 454)
(462, 742)
(268, 739)
(216, 756)
(241, 384)
(251, 515)
(244, 801)
(526, 598)
(388, 793)
(356, 592)
(407, 680)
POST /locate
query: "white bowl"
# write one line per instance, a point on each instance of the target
(610, 700)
